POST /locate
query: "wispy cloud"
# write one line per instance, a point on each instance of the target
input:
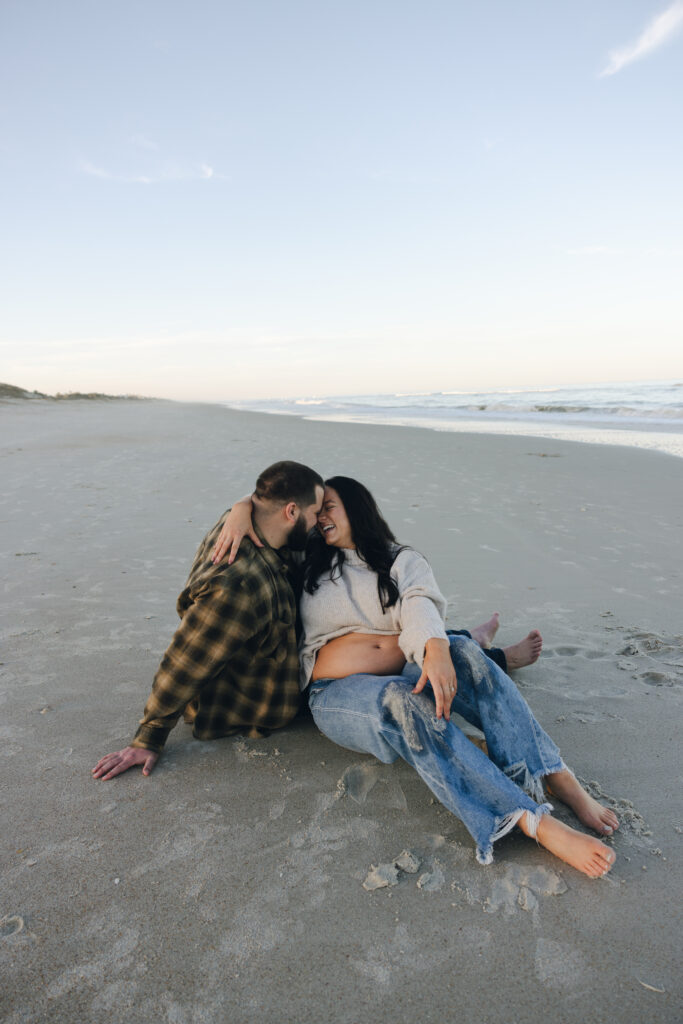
(595, 250)
(201, 172)
(637, 252)
(95, 172)
(654, 35)
(142, 142)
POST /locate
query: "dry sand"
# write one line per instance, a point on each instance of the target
(228, 886)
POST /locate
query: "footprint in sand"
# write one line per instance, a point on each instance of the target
(521, 887)
(11, 925)
(560, 966)
(513, 887)
(589, 717)
(660, 656)
(384, 962)
(657, 679)
(572, 652)
(360, 780)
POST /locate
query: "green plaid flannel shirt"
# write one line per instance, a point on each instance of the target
(232, 665)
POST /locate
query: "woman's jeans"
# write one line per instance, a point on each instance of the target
(380, 715)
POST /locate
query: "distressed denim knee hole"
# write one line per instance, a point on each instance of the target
(409, 711)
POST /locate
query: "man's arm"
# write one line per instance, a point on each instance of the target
(220, 620)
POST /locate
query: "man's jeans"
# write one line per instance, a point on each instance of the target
(496, 654)
(380, 715)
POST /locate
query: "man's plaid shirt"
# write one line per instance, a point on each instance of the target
(232, 665)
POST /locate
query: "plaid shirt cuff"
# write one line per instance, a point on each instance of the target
(151, 737)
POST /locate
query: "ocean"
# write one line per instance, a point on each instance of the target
(646, 414)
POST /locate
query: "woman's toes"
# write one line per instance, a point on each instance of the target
(605, 862)
(608, 866)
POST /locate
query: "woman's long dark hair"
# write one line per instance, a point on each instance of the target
(374, 541)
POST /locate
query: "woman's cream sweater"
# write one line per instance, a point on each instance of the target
(350, 604)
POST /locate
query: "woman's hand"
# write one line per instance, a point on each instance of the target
(437, 668)
(236, 527)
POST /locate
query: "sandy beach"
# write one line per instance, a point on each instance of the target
(228, 885)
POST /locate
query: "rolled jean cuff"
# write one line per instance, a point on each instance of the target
(506, 824)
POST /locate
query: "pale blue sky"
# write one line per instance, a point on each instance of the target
(223, 200)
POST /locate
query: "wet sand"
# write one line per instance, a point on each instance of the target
(229, 884)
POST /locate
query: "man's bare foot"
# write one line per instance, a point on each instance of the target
(567, 788)
(526, 652)
(485, 633)
(581, 851)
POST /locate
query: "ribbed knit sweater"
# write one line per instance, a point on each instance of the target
(350, 604)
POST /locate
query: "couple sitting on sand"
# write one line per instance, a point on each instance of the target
(374, 659)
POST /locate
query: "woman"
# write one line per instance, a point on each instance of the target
(382, 678)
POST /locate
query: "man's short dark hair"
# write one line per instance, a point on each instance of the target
(288, 481)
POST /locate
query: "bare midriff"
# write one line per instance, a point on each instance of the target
(374, 653)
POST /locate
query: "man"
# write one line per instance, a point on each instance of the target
(232, 665)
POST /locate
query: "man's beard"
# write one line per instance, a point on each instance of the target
(298, 534)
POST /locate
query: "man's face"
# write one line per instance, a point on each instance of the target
(305, 523)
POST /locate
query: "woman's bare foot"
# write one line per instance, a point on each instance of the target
(526, 652)
(581, 851)
(567, 788)
(485, 633)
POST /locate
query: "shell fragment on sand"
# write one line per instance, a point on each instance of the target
(387, 874)
(650, 988)
(431, 881)
(408, 861)
(380, 877)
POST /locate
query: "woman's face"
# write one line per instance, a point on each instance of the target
(333, 523)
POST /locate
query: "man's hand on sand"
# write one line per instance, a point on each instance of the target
(120, 761)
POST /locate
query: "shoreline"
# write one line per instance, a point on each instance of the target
(471, 429)
(649, 437)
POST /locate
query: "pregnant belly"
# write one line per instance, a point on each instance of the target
(359, 652)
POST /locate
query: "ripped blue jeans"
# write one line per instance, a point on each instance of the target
(380, 715)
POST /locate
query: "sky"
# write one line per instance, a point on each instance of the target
(210, 200)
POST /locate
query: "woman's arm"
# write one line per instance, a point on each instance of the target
(236, 527)
(421, 612)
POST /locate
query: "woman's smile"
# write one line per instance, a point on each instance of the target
(333, 523)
